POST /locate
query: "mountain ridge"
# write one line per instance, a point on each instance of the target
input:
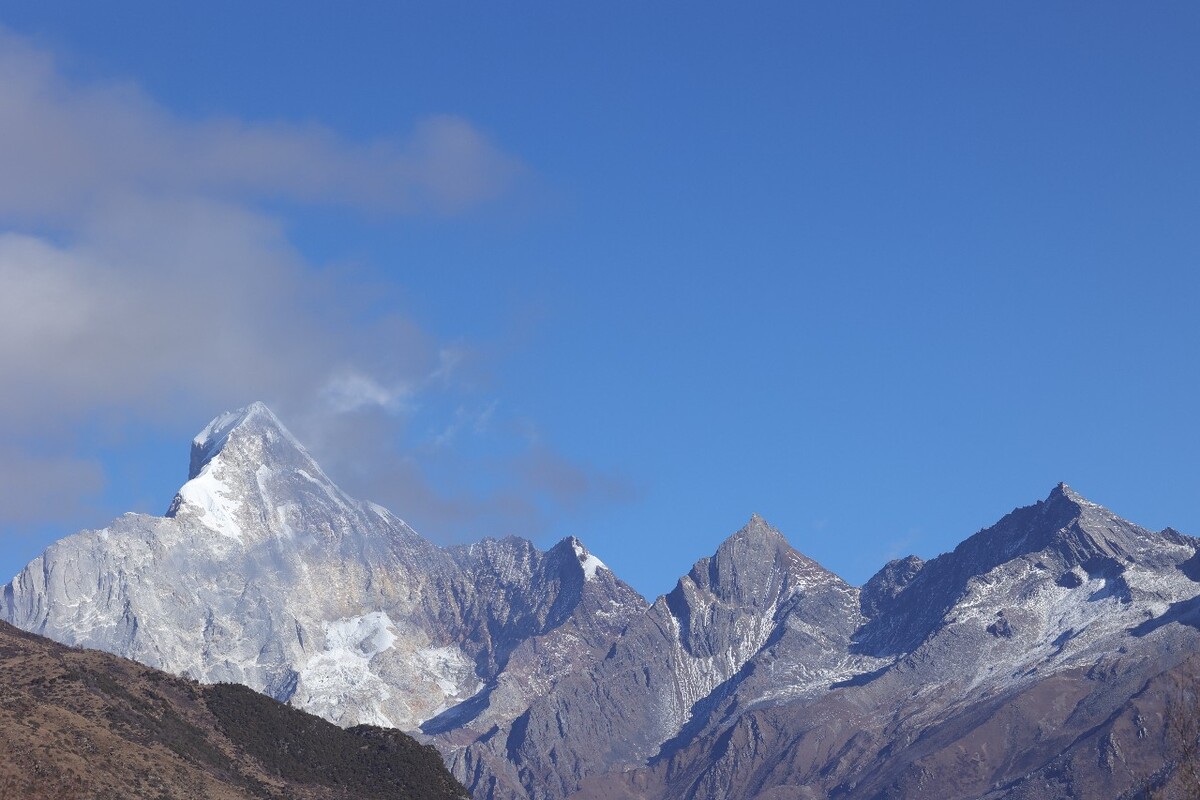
(539, 672)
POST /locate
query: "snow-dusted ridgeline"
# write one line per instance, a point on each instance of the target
(539, 672)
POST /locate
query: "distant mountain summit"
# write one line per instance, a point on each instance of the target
(1065, 541)
(263, 572)
(540, 675)
(249, 476)
(1052, 655)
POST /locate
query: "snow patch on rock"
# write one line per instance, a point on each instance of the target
(215, 505)
(341, 672)
(588, 561)
(451, 671)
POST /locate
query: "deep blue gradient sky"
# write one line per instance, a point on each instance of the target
(879, 273)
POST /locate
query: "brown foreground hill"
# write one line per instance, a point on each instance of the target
(85, 724)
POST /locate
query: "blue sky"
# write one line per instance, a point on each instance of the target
(879, 273)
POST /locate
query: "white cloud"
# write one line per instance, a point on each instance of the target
(473, 420)
(353, 391)
(36, 488)
(144, 281)
(175, 298)
(64, 148)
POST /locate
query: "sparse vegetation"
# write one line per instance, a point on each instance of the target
(366, 762)
(83, 725)
(1179, 778)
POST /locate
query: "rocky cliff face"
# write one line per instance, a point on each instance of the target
(540, 674)
(677, 666)
(262, 572)
(1035, 660)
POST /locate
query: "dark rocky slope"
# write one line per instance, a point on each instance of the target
(1053, 655)
(85, 724)
(539, 674)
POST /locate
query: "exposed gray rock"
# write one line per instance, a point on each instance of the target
(882, 588)
(754, 622)
(1003, 680)
(263, 572)
(1021, 657)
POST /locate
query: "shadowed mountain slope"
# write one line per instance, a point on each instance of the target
(538, 674)
(1050, 656)
(85, 724)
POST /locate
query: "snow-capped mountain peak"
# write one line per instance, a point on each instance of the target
(587, 562)
(264, 572)
(537, 671)
(255, 420)
(245, 465)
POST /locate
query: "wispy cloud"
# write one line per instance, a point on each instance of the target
(352, 391)
(146, 272)
(65, 147)
(454, 490)
(35, 488)
(471, 420)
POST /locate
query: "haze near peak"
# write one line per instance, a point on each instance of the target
(152, 272)
(717, 283)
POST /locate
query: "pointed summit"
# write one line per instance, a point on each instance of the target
(752, 549)
(1065, 494)
(757, 531)
(1065, 524)
(756, 565)
(1061, 534)
(1066, 491)
(570, 549)
(587, 562)
(254, 420)
(239, 459)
